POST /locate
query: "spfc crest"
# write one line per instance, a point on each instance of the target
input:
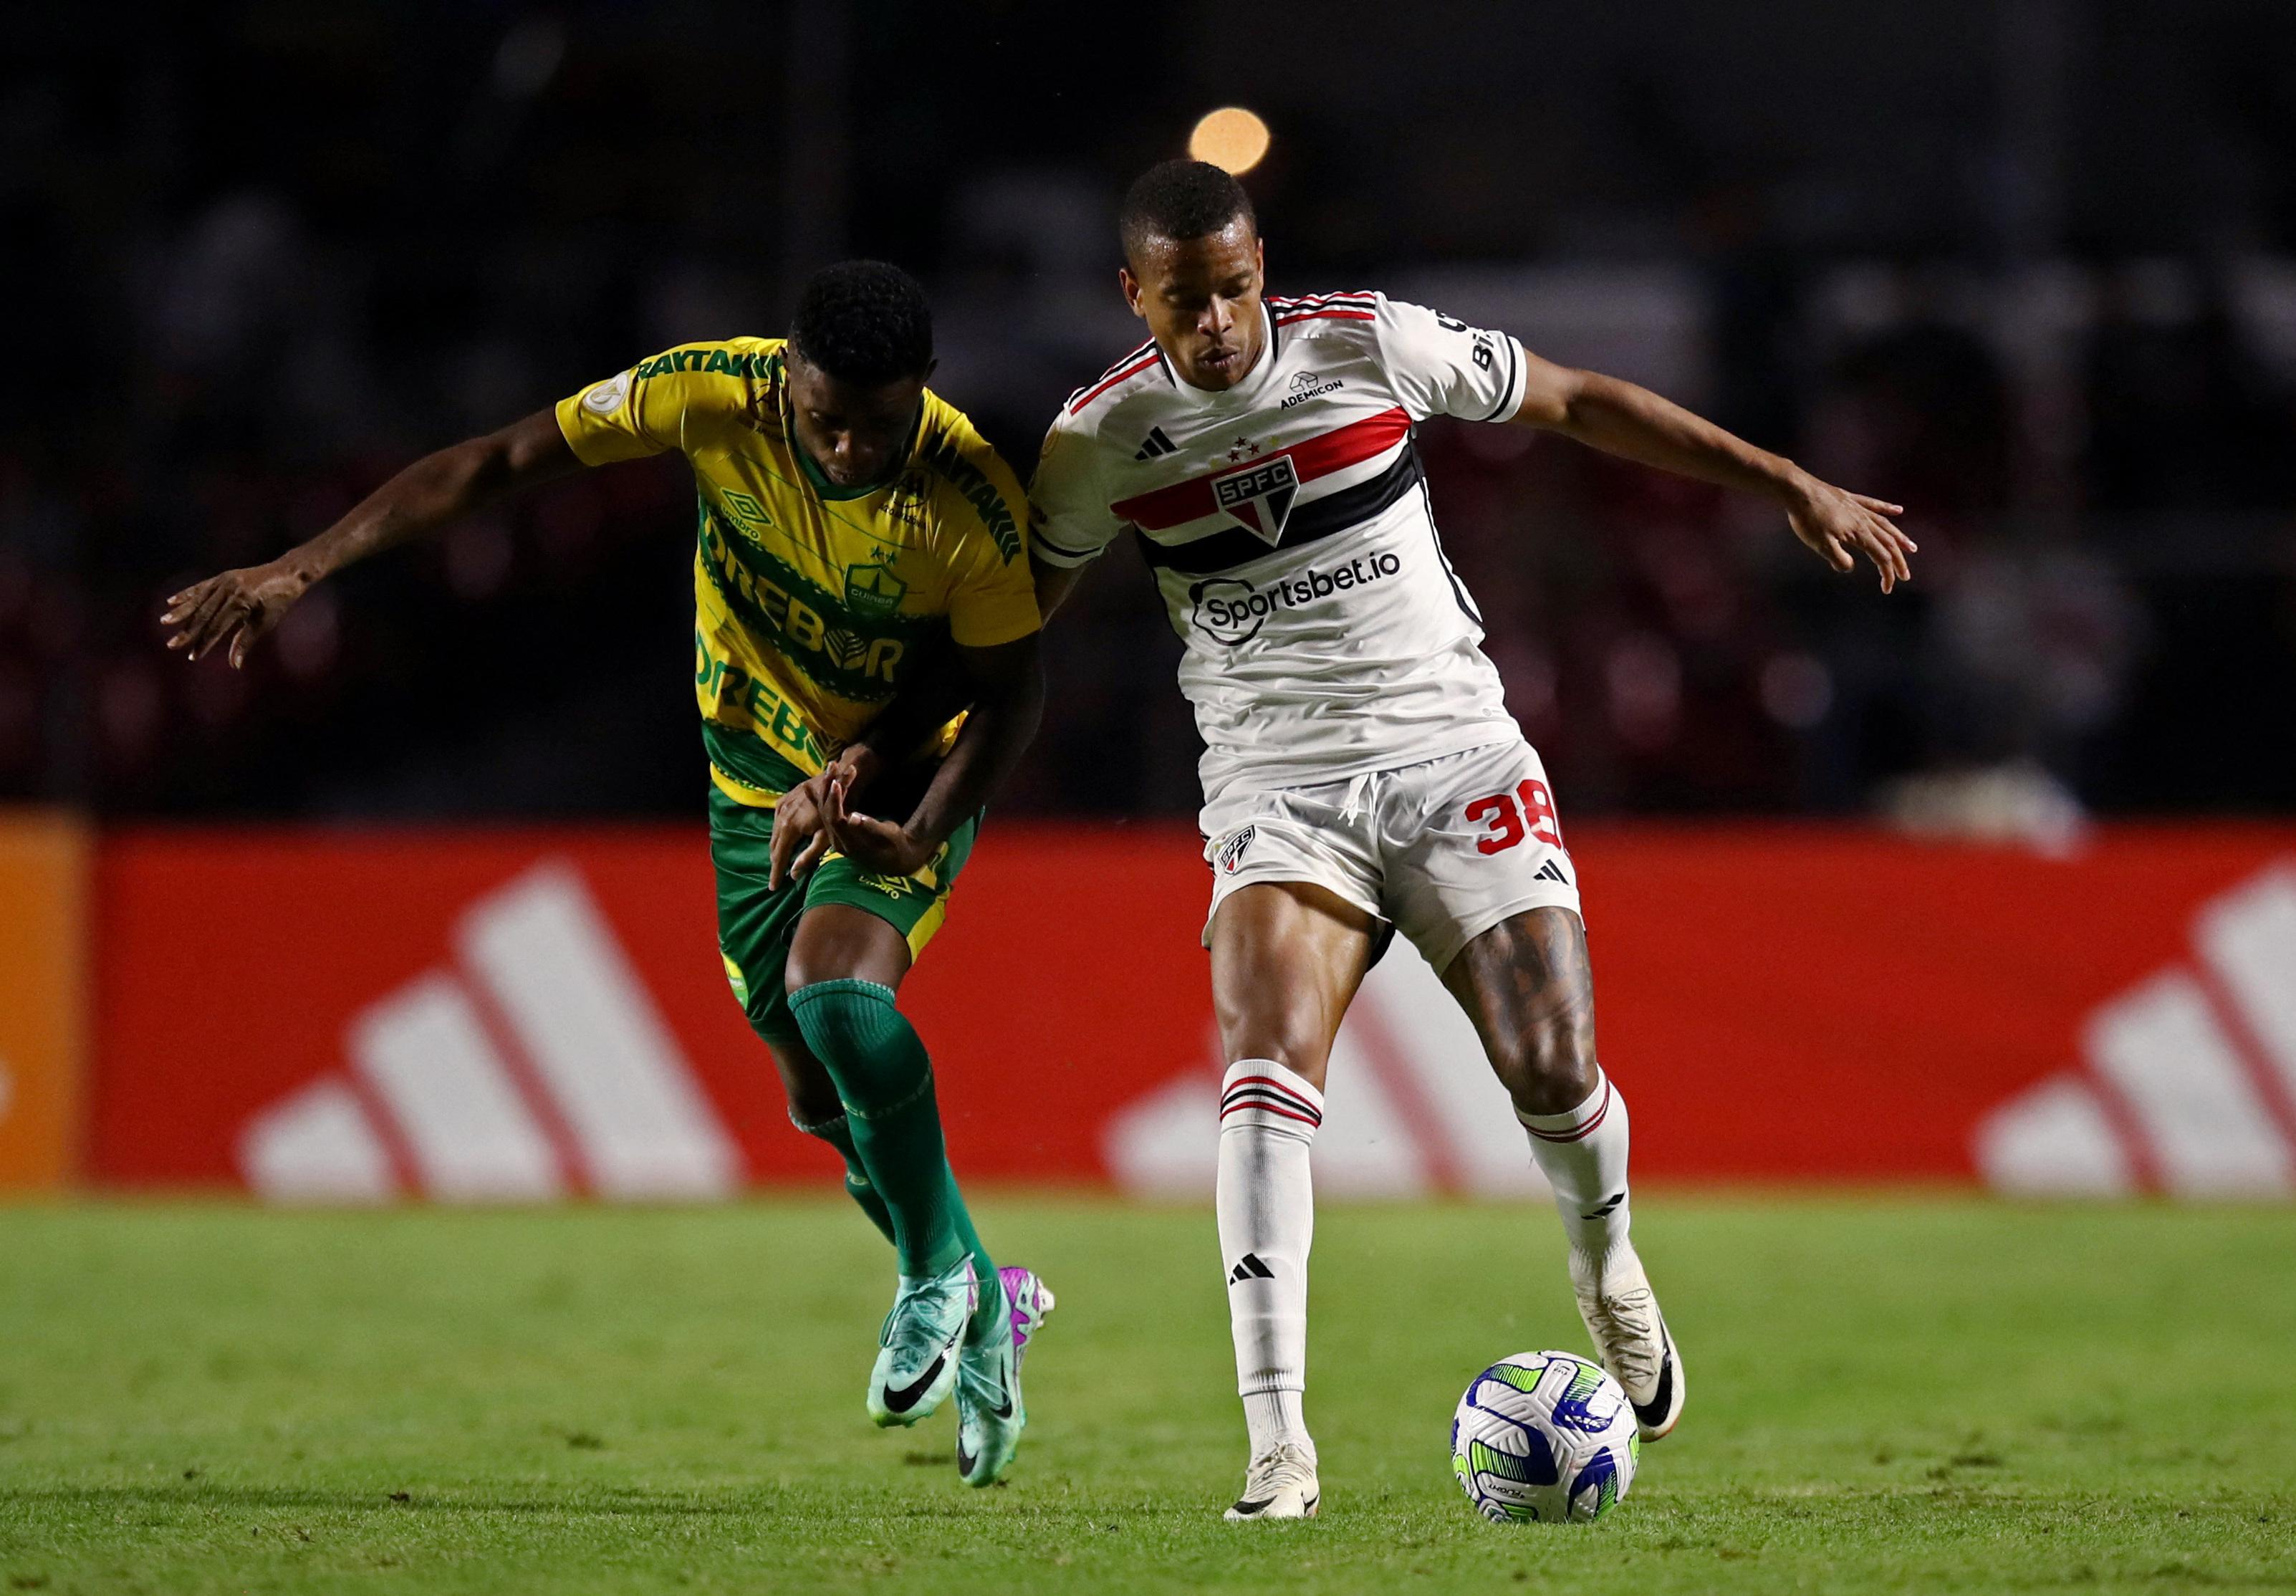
(1260, 496)
(1233, 847)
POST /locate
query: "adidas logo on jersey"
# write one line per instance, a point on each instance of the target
(1550, 871)
(1157, 445)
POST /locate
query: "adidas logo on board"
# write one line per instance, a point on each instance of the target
(532, 1065)
(2188, 1079)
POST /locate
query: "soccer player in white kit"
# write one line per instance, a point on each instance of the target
(1361, 773)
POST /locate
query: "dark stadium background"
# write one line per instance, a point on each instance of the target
(2029, 267)
(392, 1196)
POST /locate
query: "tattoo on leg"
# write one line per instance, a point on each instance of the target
(1526, 985)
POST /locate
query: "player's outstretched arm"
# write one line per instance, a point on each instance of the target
(240, 606)
(1621, 419)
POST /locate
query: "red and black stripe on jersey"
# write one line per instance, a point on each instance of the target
(1138, 361)
(1319, 456)
(1283, 310)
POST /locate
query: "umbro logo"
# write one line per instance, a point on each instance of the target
(1550, 871)
(1156, 445)
(1249, 1269)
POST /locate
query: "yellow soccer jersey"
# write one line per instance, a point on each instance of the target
(813, 604)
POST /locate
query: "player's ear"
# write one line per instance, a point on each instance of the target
(1131, 284)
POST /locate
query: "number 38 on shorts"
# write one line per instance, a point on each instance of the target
(1529, 811)
(1443, 850)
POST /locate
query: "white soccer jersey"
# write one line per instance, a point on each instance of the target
(1287, 523)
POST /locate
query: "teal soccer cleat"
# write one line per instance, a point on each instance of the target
(917, 1351)
(990, 1412)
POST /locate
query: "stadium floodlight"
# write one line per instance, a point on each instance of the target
(1231, 137)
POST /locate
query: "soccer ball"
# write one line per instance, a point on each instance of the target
(1543, 1437)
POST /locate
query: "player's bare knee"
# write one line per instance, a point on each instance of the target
(1547, 1069)
(839, 943)
(1291, 1023)
(1301, 1050)
(1294, 1034)
(814, 960)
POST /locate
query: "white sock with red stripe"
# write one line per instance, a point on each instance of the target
(1583, 1155)
(1267, 1202)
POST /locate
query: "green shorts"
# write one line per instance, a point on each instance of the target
(756, 923)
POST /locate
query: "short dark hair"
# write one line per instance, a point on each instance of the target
(863, 321)
(1181, 199)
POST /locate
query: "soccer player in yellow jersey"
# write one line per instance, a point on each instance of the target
(857, 537)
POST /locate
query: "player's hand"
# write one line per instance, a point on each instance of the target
(873, 843)
(1838, 526)
(237, 607)
(800, 837)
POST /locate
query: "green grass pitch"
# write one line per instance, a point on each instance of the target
(1885, 1394)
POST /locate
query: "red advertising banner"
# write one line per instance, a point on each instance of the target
(526, 1014)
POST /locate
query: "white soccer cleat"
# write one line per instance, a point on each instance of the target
(917, 1349)
(1631, 1336)
(1281, 1485)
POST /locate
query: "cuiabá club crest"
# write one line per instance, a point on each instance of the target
(873, 591)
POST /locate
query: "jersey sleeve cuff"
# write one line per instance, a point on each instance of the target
(1517, 385)
(1052, 554)
(564, 411)
(589, 446)
(598, 443)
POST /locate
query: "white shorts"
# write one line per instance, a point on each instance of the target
(1442, 850)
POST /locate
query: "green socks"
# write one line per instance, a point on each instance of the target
(892, 1126)
(839, 1133)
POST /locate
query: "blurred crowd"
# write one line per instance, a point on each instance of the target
(266, 262)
